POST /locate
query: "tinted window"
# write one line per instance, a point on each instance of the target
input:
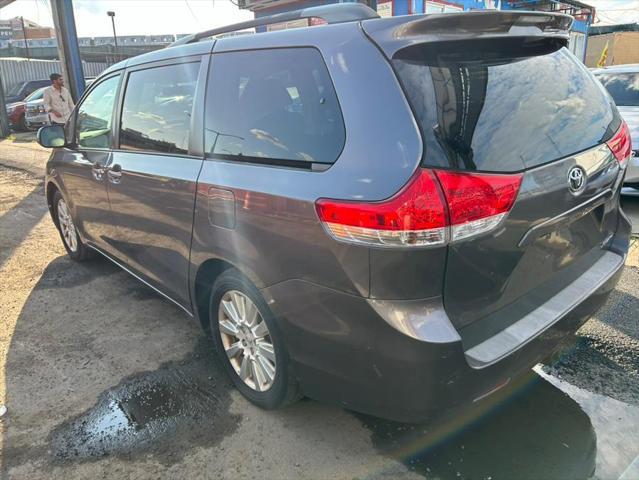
(95, 114)
(503, 106)
(623, 87)
(156, 115)
(274, 105)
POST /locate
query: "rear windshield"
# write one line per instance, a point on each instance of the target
(623, 87)
(503, 106)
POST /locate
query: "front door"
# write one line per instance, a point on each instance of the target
(84, 174)
(152, 177)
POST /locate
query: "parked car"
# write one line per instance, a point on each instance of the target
(16, 114)
(622, 82)
(17, 111)
(22, 90)
(36, 115)
(397, 215)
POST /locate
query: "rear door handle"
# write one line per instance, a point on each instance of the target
(115, 174)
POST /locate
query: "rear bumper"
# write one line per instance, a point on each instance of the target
(345, 350)
(14, 119)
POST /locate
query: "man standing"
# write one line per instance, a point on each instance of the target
(57, 100)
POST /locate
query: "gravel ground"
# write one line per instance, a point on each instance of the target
(104, 379)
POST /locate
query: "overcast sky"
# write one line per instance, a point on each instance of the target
(135, 16)
(186, 16)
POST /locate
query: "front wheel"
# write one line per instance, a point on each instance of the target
(249, 344)
(74, 246)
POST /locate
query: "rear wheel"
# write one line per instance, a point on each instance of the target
(74, 246)
(249, 344)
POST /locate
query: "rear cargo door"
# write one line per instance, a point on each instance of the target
(517, 106)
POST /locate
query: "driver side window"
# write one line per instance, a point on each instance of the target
(95, 115)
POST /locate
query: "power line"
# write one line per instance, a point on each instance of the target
(192, 14)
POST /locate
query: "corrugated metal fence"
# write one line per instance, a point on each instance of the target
(17, 70)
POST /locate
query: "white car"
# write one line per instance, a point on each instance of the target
(35, 115)
(622, 82)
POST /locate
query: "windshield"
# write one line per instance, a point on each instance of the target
(37, 95)
(623, 87)
(15, 89)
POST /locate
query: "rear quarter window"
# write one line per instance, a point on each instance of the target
(273, 106)
(502, 107)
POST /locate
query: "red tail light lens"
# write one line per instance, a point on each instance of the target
(421, 214)
(477, 202)
(415, 216)
(620, 144)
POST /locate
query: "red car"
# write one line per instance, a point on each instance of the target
(15, 112)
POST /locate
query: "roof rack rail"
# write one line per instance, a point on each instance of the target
(335, 13)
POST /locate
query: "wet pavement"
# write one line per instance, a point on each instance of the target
(181, 404)
(104, 379)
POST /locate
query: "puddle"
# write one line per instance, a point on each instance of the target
(164, 412)
(543, 428)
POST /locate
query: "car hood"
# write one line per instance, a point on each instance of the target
(35, 103)
(10, 106)
(631, 116)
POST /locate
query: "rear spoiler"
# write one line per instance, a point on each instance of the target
(393, 34)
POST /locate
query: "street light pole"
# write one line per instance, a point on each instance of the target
(115, 37)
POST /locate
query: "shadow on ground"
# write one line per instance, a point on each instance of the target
(534, 432)
(17, 222)
(71, 376)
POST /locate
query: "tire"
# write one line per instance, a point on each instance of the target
(283, 389)
(74, 246)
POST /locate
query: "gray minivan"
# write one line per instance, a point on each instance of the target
(397, 215)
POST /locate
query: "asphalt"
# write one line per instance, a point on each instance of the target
(102, 378)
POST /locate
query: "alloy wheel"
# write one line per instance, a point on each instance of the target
(247, 340)
(67, 226)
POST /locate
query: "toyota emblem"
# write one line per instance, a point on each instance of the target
(576, 180)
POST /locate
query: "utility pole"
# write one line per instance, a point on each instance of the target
(115, 37)
(24, 35)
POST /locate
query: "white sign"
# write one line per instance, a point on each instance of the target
(385, 9)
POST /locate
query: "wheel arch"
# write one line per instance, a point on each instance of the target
(50, 190)
(206, 275)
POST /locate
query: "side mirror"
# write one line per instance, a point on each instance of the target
(51, 136)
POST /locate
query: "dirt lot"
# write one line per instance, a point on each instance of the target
(104, 379)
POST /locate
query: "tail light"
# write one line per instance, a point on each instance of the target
(620, 144)
(434, 207)
(477, 202)
(416, 216)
